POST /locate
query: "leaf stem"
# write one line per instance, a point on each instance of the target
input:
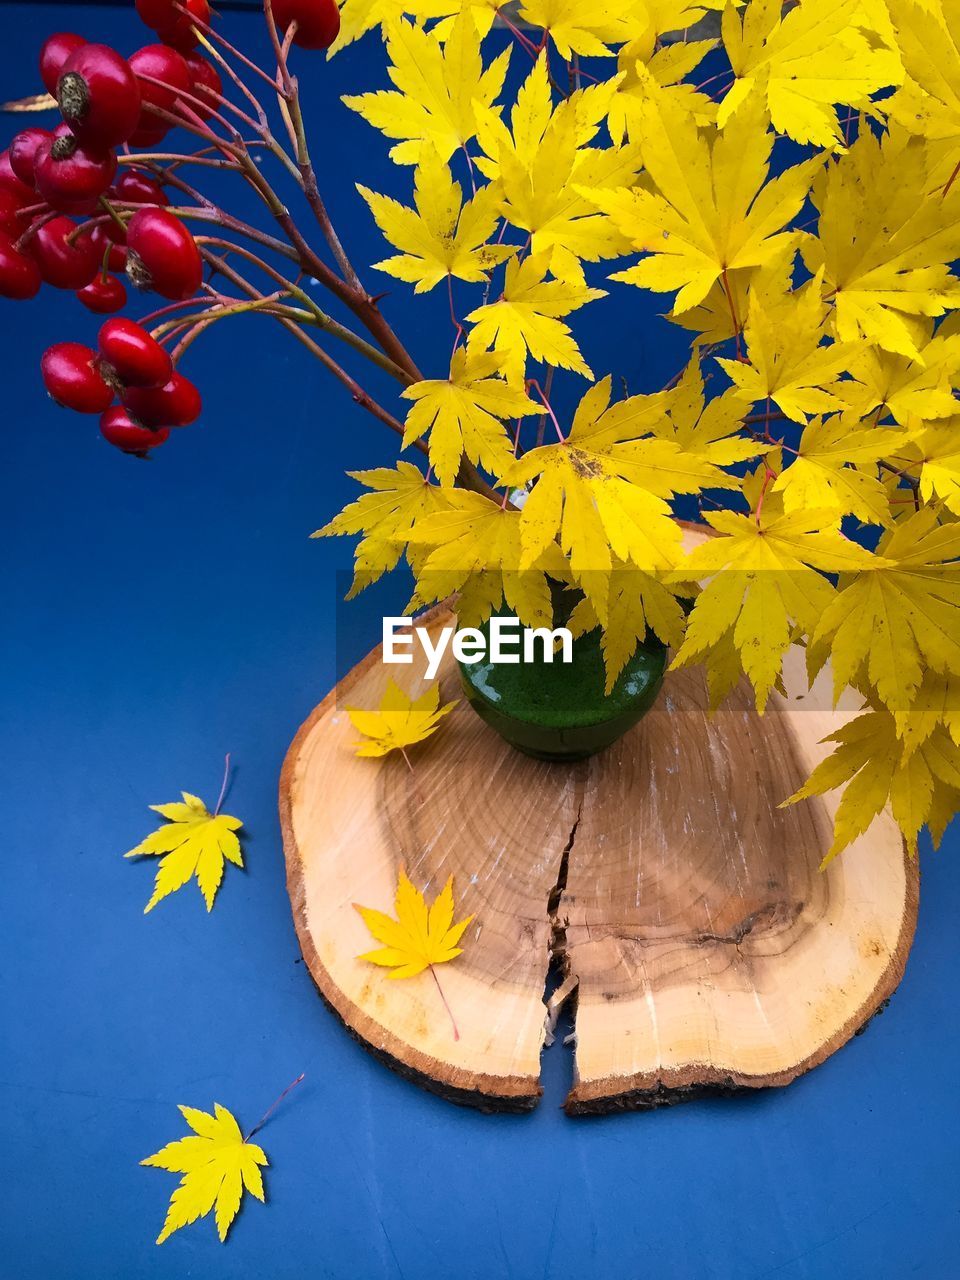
(223, 785)
(453, 1021)
(272, 1108)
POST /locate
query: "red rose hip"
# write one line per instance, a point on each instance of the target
(110, 241)
(176, 404)
(72, 378)
(205, 84)
(151, 63)
(55, 52)
(172, 26)
(12, 221)
(63, 263)
(127, 434)
(98, 96)
(162, 254)
(103, 295)
(134, 187)
(318, 21)
(135, 356)
(19, 275)
(10, 182)
(70, 177)
(23, 152)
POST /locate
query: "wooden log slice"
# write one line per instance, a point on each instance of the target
(706, 949)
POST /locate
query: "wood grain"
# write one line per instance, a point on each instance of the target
(707, 951)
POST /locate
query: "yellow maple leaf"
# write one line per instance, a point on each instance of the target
(787, 361)
(886, 625)
(936, 702)
(928, 38)
(827, 471)
(588, 30)
(708, 429)
(474, 548)
(802, 63)
(526, 317)
(872, 764)
(539, 163)
(764, 583)
(437, 87)
(533, 114)
(418, 938)
(217, 1164)
(712, 211)
(357, 17)
(712, 319)
(937, 449)
(192, 842)
(604, 489)
(896, 266)
(667, 66)
(396, 498)
(399, 721)
(442, 237)
(465, 413)
(628, 603)
(922, 388)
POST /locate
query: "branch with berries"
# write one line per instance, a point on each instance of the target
(102, 203)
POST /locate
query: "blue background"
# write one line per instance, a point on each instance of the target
(157, 615)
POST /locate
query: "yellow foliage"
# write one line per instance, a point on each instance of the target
(399, 721)
(712, 212)
(442, 237)
(803, 62)
(437, 89)
(193, 842)
(419, 937)
(800, 209)
(465, 413)
(217, 1164)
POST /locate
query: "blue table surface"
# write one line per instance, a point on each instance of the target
(158, 615)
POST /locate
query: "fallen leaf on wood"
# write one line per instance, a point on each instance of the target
(419, 937)
(399, 721)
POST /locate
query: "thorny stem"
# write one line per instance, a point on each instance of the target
(223, 785)
(272, 1108)
(453, 1021)
(347, 287)
(360, 396)
(224, 43)
(317, 316)
(173, 157)
(348, 290)
(216, 311)
(291, 95)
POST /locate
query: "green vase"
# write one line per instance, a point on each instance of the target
(559, 711)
